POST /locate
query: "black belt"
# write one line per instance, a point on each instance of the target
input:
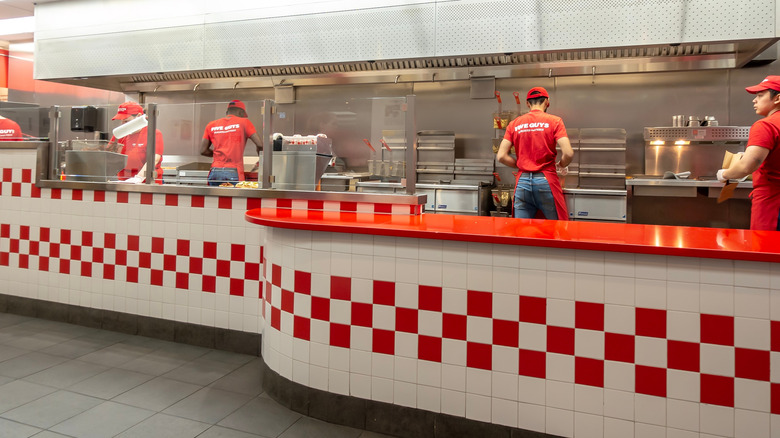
(532, 175)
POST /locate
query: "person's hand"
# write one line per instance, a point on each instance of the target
(135, 180)
(720, 176)
(562, 171)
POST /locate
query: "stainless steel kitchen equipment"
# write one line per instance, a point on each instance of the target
(93, 165)
(474, 170)
(192, 174)
(465, 199)
(602, 158)
(435, 156)
(301, 162)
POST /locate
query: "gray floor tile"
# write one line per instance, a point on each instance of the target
(8, 319)
(165, 426)
(228, 357)
(77, 347)
(153, 364)
(51, 409)
(36, 340)
(103, 421)
(263, 416)
(157, 394)
(66, 374)
(29, 363)
(367, 434)
(309, 427)
(49, 434)
(7, 352)
(19, 392)
(110, 384)
(115, 355)
(200, 371)
(208, 405)
(107, 335)
(246, 380)
(224, 432)
(172, 350)
(11, 429)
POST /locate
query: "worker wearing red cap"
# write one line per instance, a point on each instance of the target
(134, 146)
(535, 136)
(10, 130)
(225, 140)
(762, 157)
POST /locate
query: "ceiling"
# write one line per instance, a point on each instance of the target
(17, 9)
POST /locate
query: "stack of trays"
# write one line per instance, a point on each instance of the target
(435, 156)
(474, 170)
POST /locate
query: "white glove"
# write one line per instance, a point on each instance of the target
(135, 180)
(562, 171)
(720, 176)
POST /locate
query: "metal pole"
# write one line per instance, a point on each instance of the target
(151, 140)
(54, 133)
(411, 147)
(268, 144)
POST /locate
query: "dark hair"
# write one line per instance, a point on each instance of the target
(773, 93)
(536, 100)
(236, 111)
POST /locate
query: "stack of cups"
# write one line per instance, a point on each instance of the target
(678, 121)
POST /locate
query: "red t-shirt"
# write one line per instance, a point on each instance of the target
(228, 135)
(134, 146)
(766, 133)
(10, 130)
(535, 135)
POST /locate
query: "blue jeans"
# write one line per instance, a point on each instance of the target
(532, 194)
(219, 175)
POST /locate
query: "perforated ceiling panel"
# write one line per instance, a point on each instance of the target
(388, 33)
(503, 26)
(168, 49)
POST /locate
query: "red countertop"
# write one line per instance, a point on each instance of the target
(716, 243)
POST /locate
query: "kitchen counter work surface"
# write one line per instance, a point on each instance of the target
(686, 182)
(718, 243)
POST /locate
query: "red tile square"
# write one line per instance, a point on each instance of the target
(284, 203)
(182, 247)
(86, 269)
(406, 320)
(182, 280)
(775, 335)
(560, 340)
(24, 232)
(169, 262)
(479, 304)
(35, 191)
(27, 175)
(157, 277)
(383, 341)
(454, 326)
(99, 196)
(223, 268)
(8, 174)
(301, 328)
(752, 364)
(158, 245)
(479, 356)
(237, 252)
(252, 271)
(86, 238)
(383, 208)
(109, 272)
(533, 363)
(384, 293)
(77, 195)
(57, 194)
(109, 240)
(288, 301)
(120, 258)
(362, 314)
(348, 206)
(35, 248)
(276, 318)
(683, 355)
(320, 308)
(237, 287)
(209, 250)
(303, 282)
(43, 265)
(144, 260)
(506, 333)
(122, 197)
(253, 203)
(198, 201)
(133, 243)
(64, 266)
(315, 205)
(65, 236)
(13, 247)
(430, 298)
(340, 335)
(16, 189)
(5, 230)
(24, 261)
(4, 258)
(132, 274)
(196, 265)
(429, 348)
(717, 329)
(276, 275)
(172, 200)
(650, 381)
(589, 316)
(717, 390)
(225, 202)
(75, 252)
(209, 283)
(651, 322)
(340, 288)
(147, 198)
(589, 371)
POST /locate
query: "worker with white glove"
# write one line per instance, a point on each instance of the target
(133, 143)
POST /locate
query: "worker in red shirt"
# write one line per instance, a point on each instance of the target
(225, 140)
(762, 157)
(134, 146)
(535, 136)
(9, 130)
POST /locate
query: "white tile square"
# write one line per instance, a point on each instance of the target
(589, 262)
(615, 428)
(683, 269)
(717, 271)
(384, 268)
(644, 430)
(382, 365)
(533, 336)
(406, 271)
(774, 303)
(478, 381)
(679, 433)
(559, 422)
(505, 280)
(650, 294)
(531, 417)
(752, 333)
(560, 367)
(589, 399)
(360, 362)
(405, 369)
(752, 274)
(752, 424)
(453, 377)
(716, 420)
(478, 407)
(504, 412)
(717, 360)
(589, 288)
(318, 377)
(683, 385)
(455, 252)
(619, 319)
(532, 390)
(532, 283)
(383, 317)
(454, 275)
(407, 249)
(454, 301)
(505, 255)
(717, 299)
(560, 394)
(589, 343)
(650, 351)
(588, 425)
(405, 394)
(751, 302)
(650, 409)
(560, 312)
(480, 253)
(683, 326)
(361, 339)
(338, 382)
(430, 323)
(650, 266)
(479, 329)
(533, 257)
(382, 389)
(619, 290)
(429, 373)
(360, 386)
(505, 359)
(619, 375)
(505, 385)
(506, 306)
(431, 273)
(683, 296)
(752, 395)
(774, 371)
(682, 414)
(429, 398)
(561, 260)
(619, 404)
(407, 295)
(619, 264)
(479, 277)
(453, 352)
(560, 285)
(453, 403)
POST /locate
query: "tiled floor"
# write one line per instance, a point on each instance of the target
(62, 380)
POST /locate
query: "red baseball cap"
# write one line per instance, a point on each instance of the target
(769, 83)
(127, 109)
(535, 92)
(237, 104)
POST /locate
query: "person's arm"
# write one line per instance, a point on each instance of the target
(257, 141)
(142, 173)
(747, 164)
(567, 152)
(205, 149)
(113, 145)
(503, 156)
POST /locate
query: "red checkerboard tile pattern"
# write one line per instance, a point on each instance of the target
(19, 183)
(132, 259)
(650, 329)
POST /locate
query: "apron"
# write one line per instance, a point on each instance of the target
(557, 192)
(765, 208)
